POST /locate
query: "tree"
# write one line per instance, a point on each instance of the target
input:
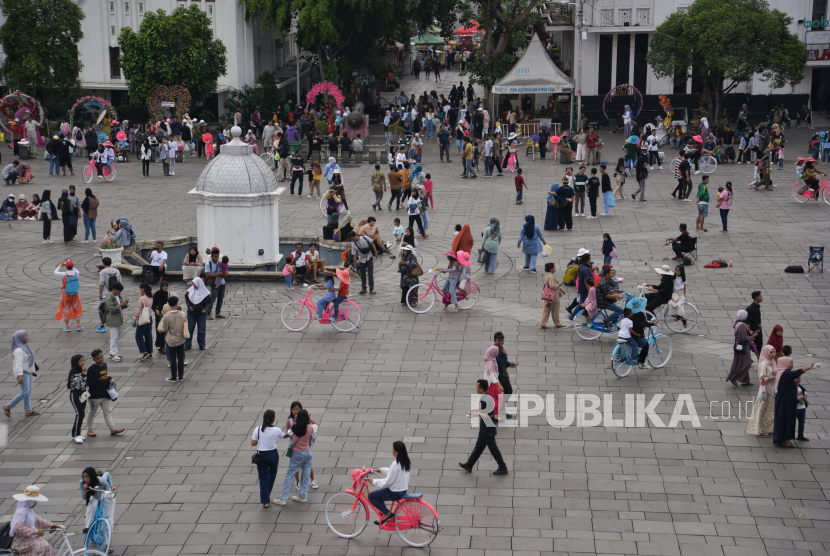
(172, 49)
(266, 95)
(40, 41)
(728, 42)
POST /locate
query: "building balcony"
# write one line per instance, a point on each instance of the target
(555, 14)
(623, 17)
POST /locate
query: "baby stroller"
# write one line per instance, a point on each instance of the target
(122, 150)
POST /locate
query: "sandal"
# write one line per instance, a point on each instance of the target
(747, 384)
(32, 413)
(7, 410)
(734, 383)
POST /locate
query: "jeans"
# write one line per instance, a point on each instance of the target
(324, 301)
(89, 225)
(13, 175)
(105, 405)
(337, 301)
(267, 471)
(653, 157)
(25, 394)
(458, 143)
(724, 213)
(518, 195)
(300, 461)
(193, 321)
(381, 495)
(614, 311)
(367, 270)
(395, 196)
(606, 202)
(491, 264)
(445, 149)
(488, 165)
(144, 337)
(430, 125)
(800, 414)
(449, 287)
(54, 163)
(607, 259)
(530, 260)
(469, 168)
(176, 356)
(217, 296)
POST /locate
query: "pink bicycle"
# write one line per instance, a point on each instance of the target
(808, 194)
(421, 297)
(297, 315)
(90, 170)
(347, 513)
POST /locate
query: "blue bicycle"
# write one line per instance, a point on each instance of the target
(604, 322)
(624, 356)
(99, 535)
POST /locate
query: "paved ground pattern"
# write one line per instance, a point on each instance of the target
(186, 485)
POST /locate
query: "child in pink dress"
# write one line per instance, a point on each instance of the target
(428, 190)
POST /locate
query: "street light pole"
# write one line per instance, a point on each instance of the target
(579, 64)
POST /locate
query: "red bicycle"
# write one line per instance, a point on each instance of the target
(803, 193)
(347, 513)
(90, 171)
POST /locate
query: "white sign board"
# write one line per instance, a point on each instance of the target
(167, 104)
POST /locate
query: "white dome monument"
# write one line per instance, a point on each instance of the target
(237, 207)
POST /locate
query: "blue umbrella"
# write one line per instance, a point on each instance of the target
(102, 137)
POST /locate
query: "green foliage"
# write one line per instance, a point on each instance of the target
(40, 43)
(322, 126)
(728, 42)
(135, 113)
(486, 70)
(111, 244)
(172, 49)
(207, 116)
(266, 95)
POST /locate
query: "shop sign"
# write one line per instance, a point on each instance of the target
(818, 53)
(816, 23)
(817, 37)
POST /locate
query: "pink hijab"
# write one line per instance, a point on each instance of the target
(766, 357)
(491, 368)
(783, 365)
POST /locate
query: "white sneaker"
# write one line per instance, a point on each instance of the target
(295, 486)
(652, 167)
(79, 439)
(696, 173)
(115, 358)
(314, 484)
(84, 241)
(605, 214)
(185, 360)
(172, 173)
(298, 499)
(660, 167)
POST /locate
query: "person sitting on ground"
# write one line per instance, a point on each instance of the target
(681, 244)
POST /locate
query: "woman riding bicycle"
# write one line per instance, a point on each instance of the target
(394, 485)
(661, 293)
(810, 175)
(27, 528)
(90, 480)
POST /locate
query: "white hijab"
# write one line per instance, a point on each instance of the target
(197, 291)
(23, 514)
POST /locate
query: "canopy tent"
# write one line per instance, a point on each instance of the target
(428, 39)
(535, 72)
(473, 28)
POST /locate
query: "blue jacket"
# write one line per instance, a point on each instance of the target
(105, 484)
(531, 246)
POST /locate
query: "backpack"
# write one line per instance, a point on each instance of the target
(79, 136)
(148, 274)
(687, 261)
(5, 539)
(364, 250)
(72, 286)
(794, 269)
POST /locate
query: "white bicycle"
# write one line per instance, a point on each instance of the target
(675, 323)
(707, 163)
(66, 549)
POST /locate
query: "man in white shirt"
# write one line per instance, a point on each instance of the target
(652, 150)
(488, 157)
(158, 260)
(172, 149)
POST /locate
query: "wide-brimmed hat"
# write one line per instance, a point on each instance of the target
(636, 304)
(800, 159)
(31, 492)
(698, 138)
(463, 257)
(407, 248)
(809, 159)
(451, 254)
(202, 122)
(665, 270)
(336, 171)
(116, 122)
(55, 137)
(633, 139)
(582, 251)
(343, 274)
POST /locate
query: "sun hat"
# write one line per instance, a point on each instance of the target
(116, 122)
(451, 254)
(464, 258)
(55, 137)
(636, 304)
(512, 136)
(810, 159)
(20, 197)
(582, 251)
(202, 122)
(698, 138)
(633, 139)
(336, 171)
(31, 492)
(407, 248)
(343, 274)
(800, 159)
(665, 270)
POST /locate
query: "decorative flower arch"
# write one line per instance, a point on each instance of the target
(325, 87)
(91, 102)
(19, 105)
(176, 94)
(623, 90)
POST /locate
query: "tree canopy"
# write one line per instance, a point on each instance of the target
(728, 42)
(266, 95)
(40, 41)
(172, 49)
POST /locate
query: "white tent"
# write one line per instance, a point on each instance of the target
(535, 72)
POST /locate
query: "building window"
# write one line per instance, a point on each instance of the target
(112, 30)
(210, 10)
(112, 7)
(126, 8)
(115, 66)
(819, 12)
(643, 16)
(141, 8)
(640, 63)
(606, 53)
(623, 58)
(606, 17)
(624, 17)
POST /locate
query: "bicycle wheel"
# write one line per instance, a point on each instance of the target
(471, 295)
(416, 522)
(88, 174)
(826, 195)
(90, 552)
(324, 204)
(798, 196)
(109, 176)
(710, 165)
(348, 318)
(663, 141)
(346, 515)
(583, 328)
(659, 352)
(99, 535)
(268, 158)
(619, 360)
(420, 298)
(676, 325)
(295, 316)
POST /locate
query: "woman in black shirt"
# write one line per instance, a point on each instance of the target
(76, 384)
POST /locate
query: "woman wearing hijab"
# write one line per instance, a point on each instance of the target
(27, 528)
(786, 403)
(491, 375)
(533, 240)
(776, 339)
(641, 174)
(703, 131)
(69, 217)
(463, 241)
(192, 266)
(25, 369)
(48, 212)
(90, 209)
(763, 411)
(492, 242)
(159, 301)
(417, 177)
(552, 213)
(124, 233)
(197, 299)
(742, 358)
(76, 384)
(407, 263)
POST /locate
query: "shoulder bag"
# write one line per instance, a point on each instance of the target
(185, 328)
(257, 457)
(144, 317)
(547, 293)
(740, 347)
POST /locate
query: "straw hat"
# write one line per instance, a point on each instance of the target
(344, 276)
(31, 492)
(664, 270)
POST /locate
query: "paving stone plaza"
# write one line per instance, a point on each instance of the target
(186, 484)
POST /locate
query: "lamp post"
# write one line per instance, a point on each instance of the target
(582, 36)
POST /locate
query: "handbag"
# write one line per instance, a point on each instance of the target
(741, 347)
(762, 392)
(675, 296)
(482, 255)
(144, 317)
(112, 391)
(554, 201)
(185, 329)
(417, 271)
(257, 457)
(73, 220)
(613, 252)
(547, 293)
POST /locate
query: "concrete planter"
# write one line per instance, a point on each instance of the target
(114, 255)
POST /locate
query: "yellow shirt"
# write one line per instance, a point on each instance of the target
(468, 151)
(315, 176)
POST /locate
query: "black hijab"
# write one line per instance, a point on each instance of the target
(192, 257)
(74, 369)
(161, 297)
(47, 196)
